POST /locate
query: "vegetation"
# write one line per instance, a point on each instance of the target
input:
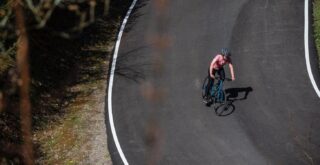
(316, 16)
(66, 43)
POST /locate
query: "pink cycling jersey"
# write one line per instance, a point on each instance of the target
(219, 62)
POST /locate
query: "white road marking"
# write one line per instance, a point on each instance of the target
(113, 66)
(306, 47)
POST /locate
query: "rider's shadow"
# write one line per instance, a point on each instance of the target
(232, 95)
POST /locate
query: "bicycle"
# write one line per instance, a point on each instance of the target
(217, 93)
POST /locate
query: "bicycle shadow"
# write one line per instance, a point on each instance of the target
(232, 95)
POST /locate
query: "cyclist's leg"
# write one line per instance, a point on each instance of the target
(210, 84)
(221, 94)
(222, 74)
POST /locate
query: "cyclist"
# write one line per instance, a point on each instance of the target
(216, 66)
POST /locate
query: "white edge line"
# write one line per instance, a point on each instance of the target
(306, 46)
(113, 66)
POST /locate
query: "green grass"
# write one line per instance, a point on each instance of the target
(7, 59)
(316, 16)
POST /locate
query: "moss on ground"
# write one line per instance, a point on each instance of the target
(316, 24)
(68, 138)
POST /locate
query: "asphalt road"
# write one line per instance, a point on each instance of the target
(164, 55)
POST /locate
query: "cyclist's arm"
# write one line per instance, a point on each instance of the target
(232, 71)
(215, 59)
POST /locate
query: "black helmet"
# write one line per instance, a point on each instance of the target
(225, 52)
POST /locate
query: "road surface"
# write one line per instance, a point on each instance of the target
(163, 58)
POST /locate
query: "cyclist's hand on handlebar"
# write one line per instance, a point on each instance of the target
(233, 79)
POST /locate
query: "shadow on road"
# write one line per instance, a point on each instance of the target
(232, 95)
(136, 13)
(133, 65)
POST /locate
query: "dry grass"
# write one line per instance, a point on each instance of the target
(316, 25)
(79, 134)
(68, 93)
(68, 140)
(61, 141)
(72, 138)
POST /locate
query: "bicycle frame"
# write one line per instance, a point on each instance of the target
(218, 88)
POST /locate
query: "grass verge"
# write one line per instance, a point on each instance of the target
(316, 25)
(78, 136)
(69, 78)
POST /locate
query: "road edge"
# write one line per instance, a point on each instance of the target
(110, 84)
(311, 67)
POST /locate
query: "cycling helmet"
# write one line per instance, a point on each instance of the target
(225, 52)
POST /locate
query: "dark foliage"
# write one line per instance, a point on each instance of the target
(57, 63)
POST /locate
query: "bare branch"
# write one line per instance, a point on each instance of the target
(6, 17)
(106, 7)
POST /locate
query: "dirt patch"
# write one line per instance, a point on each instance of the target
(80, 136)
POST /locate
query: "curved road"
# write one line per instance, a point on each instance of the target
(164, 54)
